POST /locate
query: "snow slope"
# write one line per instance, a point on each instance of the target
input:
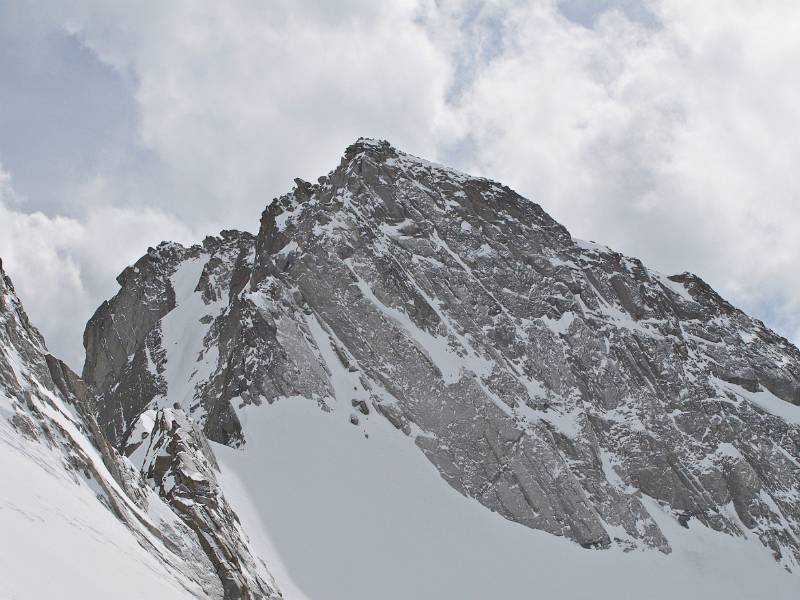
(355, 517)
(75, 520)
(59, 541)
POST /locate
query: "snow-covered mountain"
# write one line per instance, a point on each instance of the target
(416, 384)
(77, 519)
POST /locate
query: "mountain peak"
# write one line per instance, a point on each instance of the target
(472, 321)
(373, 146)
(58, 465)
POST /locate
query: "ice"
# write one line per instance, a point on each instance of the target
(592, 246)
(676, 288)
(765, 400)
(561, 325)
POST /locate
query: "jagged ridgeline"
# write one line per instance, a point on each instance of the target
(561, 384)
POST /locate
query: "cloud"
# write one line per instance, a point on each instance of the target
(672, 143)
(237, 99)
(62, 267)
(664, 128)
(232, 102)
(64, 111)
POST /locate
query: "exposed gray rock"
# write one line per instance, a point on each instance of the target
(361, 405)
(558, 382)
(178, 463)
(202, 544)
(50, 406)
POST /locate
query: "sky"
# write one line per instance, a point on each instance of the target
(666, 129)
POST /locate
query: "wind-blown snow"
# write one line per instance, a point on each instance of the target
(341, 516)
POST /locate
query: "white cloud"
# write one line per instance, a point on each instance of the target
(63, 267)
(675, 143)
(237, 99)
(671, 139)
(234, 101)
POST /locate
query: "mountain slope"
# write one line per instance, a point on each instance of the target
(340, 516)
(68, 507)
(77, 519)
(560, 384)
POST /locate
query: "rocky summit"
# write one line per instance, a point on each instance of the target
(565, 386)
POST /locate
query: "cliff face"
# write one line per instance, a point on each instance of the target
(59, 471)
(556, 381)
(104, 531)
(176, 461)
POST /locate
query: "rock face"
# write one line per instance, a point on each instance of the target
(126, 355)
(179, 465)
(556, 381)
(47, 416)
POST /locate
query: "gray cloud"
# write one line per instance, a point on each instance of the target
(63, 109)
(662, 128)
(589, 13)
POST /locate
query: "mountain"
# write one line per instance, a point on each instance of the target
(78, 520)
(560, 384)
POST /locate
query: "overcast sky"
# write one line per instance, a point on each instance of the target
(669, 130)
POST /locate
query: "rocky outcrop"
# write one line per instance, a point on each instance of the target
(126, 355)
(49, 418)
(179, 465)
(556, 381)
(51, 415)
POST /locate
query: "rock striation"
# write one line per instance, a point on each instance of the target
(560, 383)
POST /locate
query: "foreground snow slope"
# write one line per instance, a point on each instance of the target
(59, 541)
(78, 520)
(364, 518)
(75, 521)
